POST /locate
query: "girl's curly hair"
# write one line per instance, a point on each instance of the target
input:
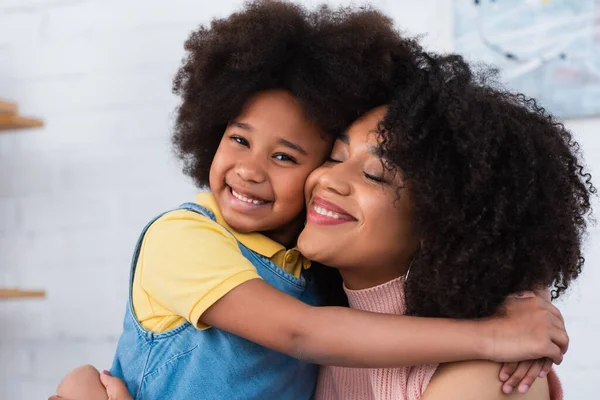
(500, 193)
(339, 63)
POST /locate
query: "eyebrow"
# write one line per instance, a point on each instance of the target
(375, 150)
(291, 145)
(281, 141)
(242, 125)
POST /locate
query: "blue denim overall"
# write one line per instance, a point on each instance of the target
(188, 364)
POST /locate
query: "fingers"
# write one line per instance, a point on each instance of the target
(561, 339)
(554, 353)
(540, 303)
(507, 370)
(546, 367)
(115, 388)
(517, 376)
(532, 374)
(555, 311)
(559, 335)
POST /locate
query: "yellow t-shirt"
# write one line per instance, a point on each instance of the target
(187, 262)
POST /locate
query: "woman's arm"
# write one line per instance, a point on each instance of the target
(476, 380)
(531, 328)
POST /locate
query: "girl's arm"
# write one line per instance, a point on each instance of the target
(530, 328)
(193, 267)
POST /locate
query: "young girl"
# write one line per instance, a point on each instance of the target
(264, 92)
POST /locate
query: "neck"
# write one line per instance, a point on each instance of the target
(365, 278)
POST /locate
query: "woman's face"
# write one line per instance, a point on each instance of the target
(359, 213)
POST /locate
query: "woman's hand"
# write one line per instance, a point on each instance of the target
(115, 388)
(85, 383)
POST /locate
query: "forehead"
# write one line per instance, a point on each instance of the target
(279, 113)
(365, 128)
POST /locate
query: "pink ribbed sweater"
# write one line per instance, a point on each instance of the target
(406, 383)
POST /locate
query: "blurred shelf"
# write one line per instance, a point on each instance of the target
(10, 118)
(19, 293)
(8, 108)
(10, 122)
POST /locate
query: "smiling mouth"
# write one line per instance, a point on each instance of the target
(332, 214)
(323, 212)
(247, 198)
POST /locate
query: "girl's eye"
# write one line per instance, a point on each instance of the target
(285, 158)
(241, 140)
(374, 178)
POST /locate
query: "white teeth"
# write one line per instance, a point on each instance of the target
(325, 212)
(245, 199)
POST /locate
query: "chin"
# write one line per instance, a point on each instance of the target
(304, 246)
(240, 225)
(314, 249)
(244, 229)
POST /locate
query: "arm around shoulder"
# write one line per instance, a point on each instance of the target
(339, 335)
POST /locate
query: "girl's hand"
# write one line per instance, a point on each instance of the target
(115, 388)
(524, 373)
(526, 329)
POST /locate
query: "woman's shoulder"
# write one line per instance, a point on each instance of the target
(476, 380)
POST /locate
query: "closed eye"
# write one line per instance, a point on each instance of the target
(374, 178)
(333, 160)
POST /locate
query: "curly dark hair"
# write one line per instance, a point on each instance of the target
(500, 193)
(339, 63)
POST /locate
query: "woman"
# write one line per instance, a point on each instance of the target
(442, 204)
(461, 195)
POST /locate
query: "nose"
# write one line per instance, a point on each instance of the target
(333, 179)
(250, 170)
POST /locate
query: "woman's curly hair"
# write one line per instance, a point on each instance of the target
(499, 190)
(339, 63)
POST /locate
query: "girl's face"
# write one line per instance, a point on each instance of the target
(258, 173)
(359, 213)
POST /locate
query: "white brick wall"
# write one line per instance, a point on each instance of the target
(74, 194)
